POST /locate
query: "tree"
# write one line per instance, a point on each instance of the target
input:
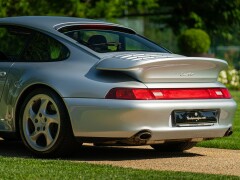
(217, 17)
(78, 8)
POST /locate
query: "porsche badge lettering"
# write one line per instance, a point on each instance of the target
(184, 74)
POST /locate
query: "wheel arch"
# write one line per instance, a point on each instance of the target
(25, 93)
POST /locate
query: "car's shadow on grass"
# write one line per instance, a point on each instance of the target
(13, 149)
(94, 153)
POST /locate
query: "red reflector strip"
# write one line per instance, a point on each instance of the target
(143, 94)
(208, 93)
(168, 94)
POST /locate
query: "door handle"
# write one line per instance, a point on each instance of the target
(3, 74)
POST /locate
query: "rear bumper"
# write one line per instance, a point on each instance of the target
(124, 118)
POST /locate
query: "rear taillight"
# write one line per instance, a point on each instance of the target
(129, 93)
(168, 94)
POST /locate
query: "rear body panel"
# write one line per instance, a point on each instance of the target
(123, 119)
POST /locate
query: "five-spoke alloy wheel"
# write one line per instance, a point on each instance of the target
(44, 124)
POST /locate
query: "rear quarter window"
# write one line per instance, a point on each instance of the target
(26, 45)
(44, 48)
(12, 42)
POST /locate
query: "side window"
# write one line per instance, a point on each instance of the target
(12, 42)
(43, 48)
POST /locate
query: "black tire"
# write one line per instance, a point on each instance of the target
(173, 146)
(45, 126)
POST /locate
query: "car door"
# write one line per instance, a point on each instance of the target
(5, 65)
(4, 69)
(13, 40)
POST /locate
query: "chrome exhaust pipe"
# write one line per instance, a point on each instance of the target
(143, 136)
(140, 138)
(228, 132)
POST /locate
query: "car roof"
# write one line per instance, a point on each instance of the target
(51, 23)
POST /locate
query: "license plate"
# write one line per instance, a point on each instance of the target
(195, 117)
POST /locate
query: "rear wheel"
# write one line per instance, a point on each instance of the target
(173, 146)
(44, 124)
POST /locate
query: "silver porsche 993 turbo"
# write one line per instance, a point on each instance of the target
(66, 79)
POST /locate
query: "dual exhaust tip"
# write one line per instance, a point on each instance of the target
(145, 135)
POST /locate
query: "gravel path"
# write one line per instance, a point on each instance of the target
(203, 160)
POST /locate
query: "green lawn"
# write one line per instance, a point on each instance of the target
(231, 142)
(19, 168)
